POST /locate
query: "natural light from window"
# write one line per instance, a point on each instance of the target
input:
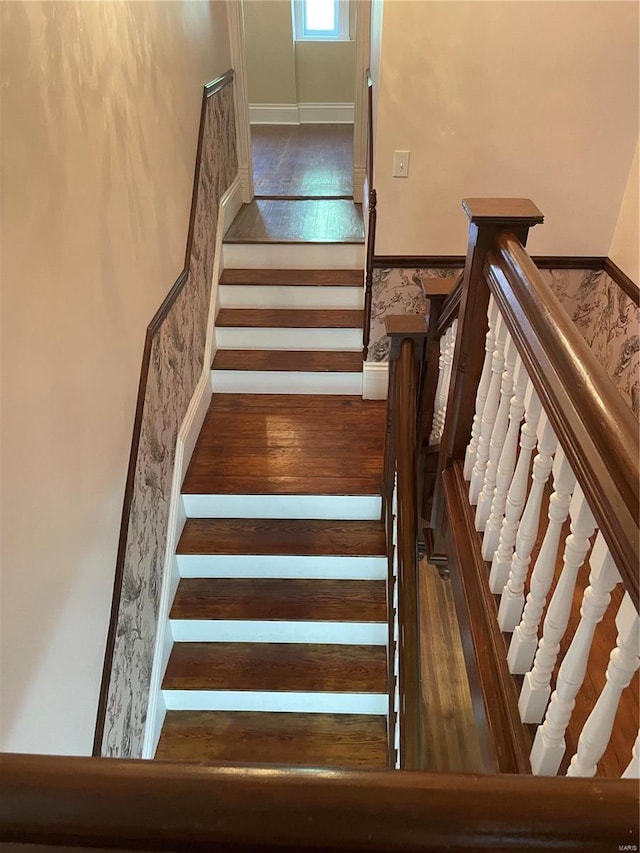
(320, 16)
(321, 20)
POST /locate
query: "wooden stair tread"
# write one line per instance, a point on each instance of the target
(315, 740)
(289, 444)
(276, 599)
(303, 667)
(299, 361)
(290, 318)
(264, 536)
(332, 278)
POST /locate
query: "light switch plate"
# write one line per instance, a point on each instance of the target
(400, 164)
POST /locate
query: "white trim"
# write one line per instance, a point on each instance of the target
(235, 22)
(323, 567)
(290, 338)
(301, 113)
(280, 256)
(277, 701)
(291, 296)
(375, 380)
(274, 114)
(185, 443)
(360, 123)
(285, 382)
(335, 507)
(359, 180)
(326, 113)
(273, 631)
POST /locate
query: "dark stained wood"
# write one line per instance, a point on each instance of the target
(305, 667)
(450, 308)
(321, 361)
(297, 221)
(154, 326)
(623, 281)
(320, 444)
(355, 741)
(595, 427)
(368, 271)
(418, 261)
(290, 318)
(312, 160)
(334, 278)
(155, 805)
(450, 738)
(277, 599)
(501, 211)
(282, 536)
(504, 742)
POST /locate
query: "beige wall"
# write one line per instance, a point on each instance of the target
(100, 111)
(624, 246)
(326, 72)
(283, 71)
(270, 58)
(533, 99)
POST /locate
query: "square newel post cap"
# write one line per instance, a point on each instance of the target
(502, 211)
(399, 327)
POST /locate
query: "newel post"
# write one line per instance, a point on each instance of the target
(488, 218)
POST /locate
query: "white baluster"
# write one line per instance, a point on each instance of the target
(525, 637)
(498, 435)
(516, 496)
(623, 662)
(536, 686)
(507, 461)
(633, 768)
(549, 744)
(512, 600)
(483, 389)
(488, 414)
(447, 346)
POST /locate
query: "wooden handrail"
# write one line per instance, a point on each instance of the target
(371, 227)
(60, 802)
(450, 308)
(595, 427)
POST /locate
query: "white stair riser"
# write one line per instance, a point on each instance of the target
(255, 631)
(334, 507)
(281, 566)
(290, 296)
(284, 382)
(280, 256)
(243, 337)
(313, 703)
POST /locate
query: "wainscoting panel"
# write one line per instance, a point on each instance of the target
(174, 358)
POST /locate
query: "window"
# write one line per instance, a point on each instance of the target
(321, 20)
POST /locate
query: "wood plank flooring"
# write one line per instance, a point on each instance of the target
(257, 443)
(335, 278)
(353, 741)
(278, 599)
(288, 221)
(282, 536)
(289, 318)
(305, 667)
(321, 361)
(304, 160)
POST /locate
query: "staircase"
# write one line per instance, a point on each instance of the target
(280, 616)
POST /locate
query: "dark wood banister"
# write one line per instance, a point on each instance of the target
(62, 802)
(371, 228)
(595, 427)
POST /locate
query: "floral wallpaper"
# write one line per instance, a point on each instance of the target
(396, 291)
(177, 354)
(606, 316)
(608, 321)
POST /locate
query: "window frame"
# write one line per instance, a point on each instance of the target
(339, 33)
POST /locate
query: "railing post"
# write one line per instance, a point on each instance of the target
(408, 334)
(488, 218)
(368, 279)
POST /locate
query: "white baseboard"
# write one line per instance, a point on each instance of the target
(185, 443)
(359, 178)
(375, 380)
(326, 113)
(301, 113)
(274, 114)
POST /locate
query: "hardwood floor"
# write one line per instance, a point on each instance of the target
(300, 444)
(250, 277)
(295, 318)
(296, 360)
(305, 160)
(306, 221)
